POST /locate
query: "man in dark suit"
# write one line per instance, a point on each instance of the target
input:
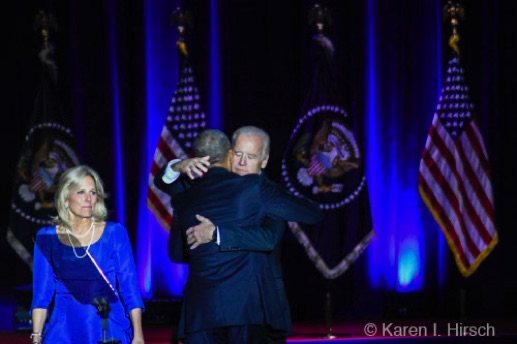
(250, 155)
(231, 293)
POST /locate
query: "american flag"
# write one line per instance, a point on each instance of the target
(185, 120)
(454, 176)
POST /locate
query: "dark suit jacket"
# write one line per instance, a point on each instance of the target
(267, 238)
(236, 287)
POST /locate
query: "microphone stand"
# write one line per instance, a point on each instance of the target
(103, 309)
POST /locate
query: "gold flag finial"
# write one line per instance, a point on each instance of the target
(320, 17)
(45, 23)
(453, 12)
(183, 19)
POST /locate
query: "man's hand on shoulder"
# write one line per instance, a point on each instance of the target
(200, 234)
(193, 167)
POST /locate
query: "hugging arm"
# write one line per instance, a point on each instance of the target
(168, 178)
(280, 204)
(176, 186)
(263, 238)
(277, 205)
(235, 237)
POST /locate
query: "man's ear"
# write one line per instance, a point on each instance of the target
(229, 158)
(264, 162)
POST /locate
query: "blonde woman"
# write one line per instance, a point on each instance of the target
(85, 287)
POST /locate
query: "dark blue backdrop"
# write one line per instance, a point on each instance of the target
(117, 72)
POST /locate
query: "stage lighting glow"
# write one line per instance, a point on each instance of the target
(117, 137)
(396, 257)
(215, 119)
(408, 266)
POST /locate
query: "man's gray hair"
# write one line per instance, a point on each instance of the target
(214, 143)
(252, 130)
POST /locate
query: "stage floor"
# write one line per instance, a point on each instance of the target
(420, 331)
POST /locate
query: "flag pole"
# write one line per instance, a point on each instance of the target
(318, 18)
(453, 12)
(328, 312)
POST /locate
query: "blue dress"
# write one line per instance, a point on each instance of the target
(69, 287)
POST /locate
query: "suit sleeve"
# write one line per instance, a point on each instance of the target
(280, 204)
(173, 188)
(177, 247)
(263, 238)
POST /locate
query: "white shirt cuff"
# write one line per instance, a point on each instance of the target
(170, 175)
(218, 238)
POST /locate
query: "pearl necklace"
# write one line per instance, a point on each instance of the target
(68, 232)
(79, 236)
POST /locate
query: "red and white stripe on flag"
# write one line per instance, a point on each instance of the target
(158, 201)
(185, 120)
(454, 176)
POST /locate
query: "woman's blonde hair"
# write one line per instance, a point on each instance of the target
(68, 182)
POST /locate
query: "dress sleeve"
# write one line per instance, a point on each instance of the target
(43, 276)
(126, 272)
